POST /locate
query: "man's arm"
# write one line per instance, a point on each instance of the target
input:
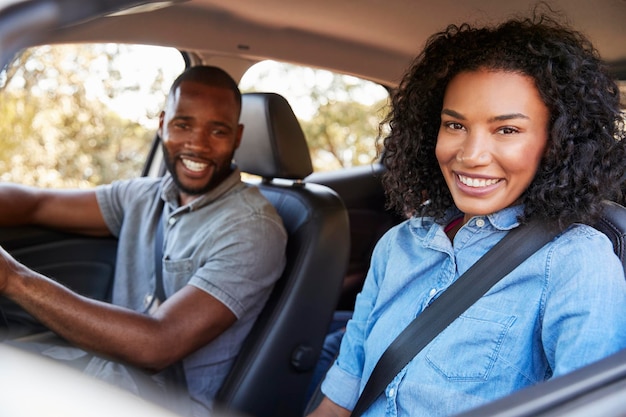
(185, 322)
(68, 210)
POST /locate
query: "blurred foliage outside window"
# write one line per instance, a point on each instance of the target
(339, 114)
(84, 115)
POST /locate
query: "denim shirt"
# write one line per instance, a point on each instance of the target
(563, 308)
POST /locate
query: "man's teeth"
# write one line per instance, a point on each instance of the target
(193, 165)
(477, 182)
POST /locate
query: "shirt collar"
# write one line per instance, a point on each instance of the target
(431, 231)
(170, 191)
(506, 219)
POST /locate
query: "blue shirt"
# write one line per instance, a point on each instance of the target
(563, 308)
(229, 242)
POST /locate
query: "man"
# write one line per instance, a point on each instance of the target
(216, 273)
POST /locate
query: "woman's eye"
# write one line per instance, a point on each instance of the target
(454, 125)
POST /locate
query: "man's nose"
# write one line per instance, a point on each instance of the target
(199, 139)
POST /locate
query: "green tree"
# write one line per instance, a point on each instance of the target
(343, 121)
(57, 128)
(343, 134)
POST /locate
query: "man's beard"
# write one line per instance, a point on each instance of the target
(216, 178)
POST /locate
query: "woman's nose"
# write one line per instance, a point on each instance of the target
(475, 150)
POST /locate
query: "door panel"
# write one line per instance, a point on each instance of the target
(361, 191)
(84, 264)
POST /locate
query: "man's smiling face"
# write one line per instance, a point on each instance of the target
(200, 131)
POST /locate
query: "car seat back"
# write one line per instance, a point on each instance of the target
(613, 224)
(274, 368)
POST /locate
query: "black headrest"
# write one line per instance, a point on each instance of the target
(273, 144)
(613, 224)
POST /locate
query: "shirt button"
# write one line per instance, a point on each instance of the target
(480, 222)
(392, 392)
(433, 292)
(171, 221)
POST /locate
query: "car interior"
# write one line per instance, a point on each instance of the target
(333, 218)
(287, 337)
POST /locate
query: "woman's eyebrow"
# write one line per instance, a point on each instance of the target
(453, 114)
(500, 118)
(509, 117)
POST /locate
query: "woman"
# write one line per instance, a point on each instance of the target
(492, 127)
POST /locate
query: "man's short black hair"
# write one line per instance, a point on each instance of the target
(211, 76)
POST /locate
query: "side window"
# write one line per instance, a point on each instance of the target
(82, 115)
(340, 114)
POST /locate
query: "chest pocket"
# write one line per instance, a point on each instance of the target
(468, 349)
(176, 274)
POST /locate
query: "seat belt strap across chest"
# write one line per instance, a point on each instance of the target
(519, 244)
(159, 292)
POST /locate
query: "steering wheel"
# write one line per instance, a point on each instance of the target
(4, 324)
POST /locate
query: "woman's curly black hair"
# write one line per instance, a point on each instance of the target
(585, 157)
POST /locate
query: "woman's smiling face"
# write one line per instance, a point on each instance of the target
(493, 133)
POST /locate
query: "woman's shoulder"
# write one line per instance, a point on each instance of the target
(582, 246)
(583, 234)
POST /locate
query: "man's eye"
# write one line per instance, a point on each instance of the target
(220, 133)
(508, 130)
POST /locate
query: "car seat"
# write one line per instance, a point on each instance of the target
(273, 370)
(613, 224)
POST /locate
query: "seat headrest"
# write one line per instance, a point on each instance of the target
(273, 144)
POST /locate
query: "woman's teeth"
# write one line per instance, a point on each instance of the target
(477, 182)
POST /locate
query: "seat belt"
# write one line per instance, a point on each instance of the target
(176, 371)
(499, 261)
(159, 293)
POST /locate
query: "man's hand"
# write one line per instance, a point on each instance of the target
(186, 321)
